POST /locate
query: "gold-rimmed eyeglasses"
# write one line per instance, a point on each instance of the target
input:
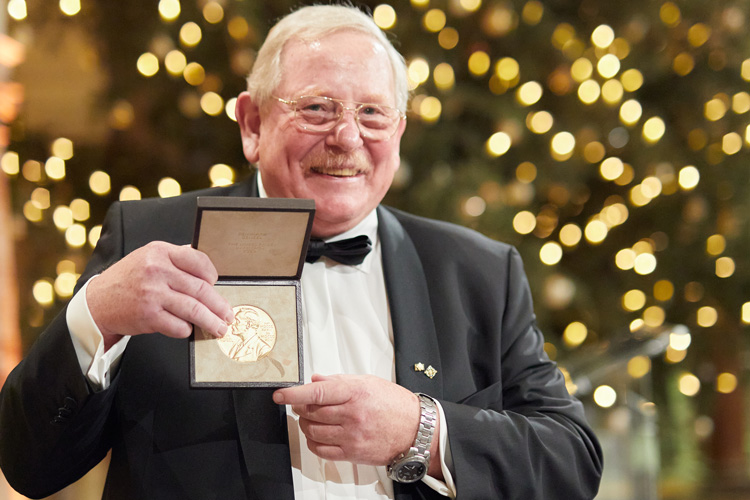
(317, 113)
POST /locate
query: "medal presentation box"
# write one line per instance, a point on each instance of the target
(258, 246)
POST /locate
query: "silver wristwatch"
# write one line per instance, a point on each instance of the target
(412, 466)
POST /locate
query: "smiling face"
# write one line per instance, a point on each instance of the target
(344, 173)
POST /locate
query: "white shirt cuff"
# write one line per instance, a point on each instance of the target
(446, 487)
(88, 342)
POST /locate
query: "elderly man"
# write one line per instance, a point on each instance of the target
(426, 372)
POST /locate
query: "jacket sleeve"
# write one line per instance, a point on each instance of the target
(520, 435)
(53, 427)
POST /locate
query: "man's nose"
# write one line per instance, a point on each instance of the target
(346, 134)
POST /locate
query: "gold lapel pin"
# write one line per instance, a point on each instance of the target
(429, 371)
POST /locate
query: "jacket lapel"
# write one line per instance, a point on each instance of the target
(414, 336)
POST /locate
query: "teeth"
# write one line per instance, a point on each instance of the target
(337, 172)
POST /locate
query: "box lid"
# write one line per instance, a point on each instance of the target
(254, 238)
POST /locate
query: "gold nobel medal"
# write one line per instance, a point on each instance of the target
(251, 336)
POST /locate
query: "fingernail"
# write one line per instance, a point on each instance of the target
(222, 329)
(278, 398)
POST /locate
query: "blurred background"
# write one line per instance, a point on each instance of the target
(607, 140)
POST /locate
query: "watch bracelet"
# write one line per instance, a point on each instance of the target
(427, 421)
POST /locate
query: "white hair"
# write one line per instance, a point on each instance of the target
(312, 23)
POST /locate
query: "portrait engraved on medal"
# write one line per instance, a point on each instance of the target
(251, 336)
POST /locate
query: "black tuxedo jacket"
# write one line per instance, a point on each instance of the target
(459, 302)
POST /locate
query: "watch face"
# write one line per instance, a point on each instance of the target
(411, 471)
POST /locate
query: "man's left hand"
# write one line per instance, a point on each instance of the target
(362, 419)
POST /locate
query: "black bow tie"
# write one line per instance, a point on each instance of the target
(351, 251)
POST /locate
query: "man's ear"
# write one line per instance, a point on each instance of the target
(248, 118)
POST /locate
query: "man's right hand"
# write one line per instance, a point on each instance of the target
(158, 288)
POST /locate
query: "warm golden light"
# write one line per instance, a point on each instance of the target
(639, 366)
(589, 91)
(725, 267)
(603, 36)
(631, 79)
(384, 16)
(575, 334)
(653, 129)
(40, 198)
(479, 62)
(633, 300)
(430, 109)
(507, 69)
(62, 217)
(605, 396)
(611, 168)
(707, 316)
(726, 383)
(526, 172)
(524, 222)
(169, 9)
(550, 253)
(434, 20)
(570, 235)
(716, 244)
(532, 12)
(130, 193)
(608, 66)
(731, 143)
(194, 74)
(581, 69)
(221, 175)
(99, 182)
(75, 235)
(663, 290)
(654, 316)
(688, 177)
(17, 9)
(175, 62)
(612, 91)
(70, 7)
(540, 122)
(94, 235)
(43, 292)
(689, 384)
(213, 12)
(595, 231)
(10, 163)
(64, 284)
(443, 76)
(498, 144)
(62, 148)
(529, 93)
(474, 206)
(169, 187)
(190, 34)
(54, 167)
(715, 109)
(562, 145)
(147, 64)
(630, 112)
(644, 263)
(448, 38)
(212, 104)
(418, 71)
(80, 209)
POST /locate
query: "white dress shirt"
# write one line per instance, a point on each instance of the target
(345, 331)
